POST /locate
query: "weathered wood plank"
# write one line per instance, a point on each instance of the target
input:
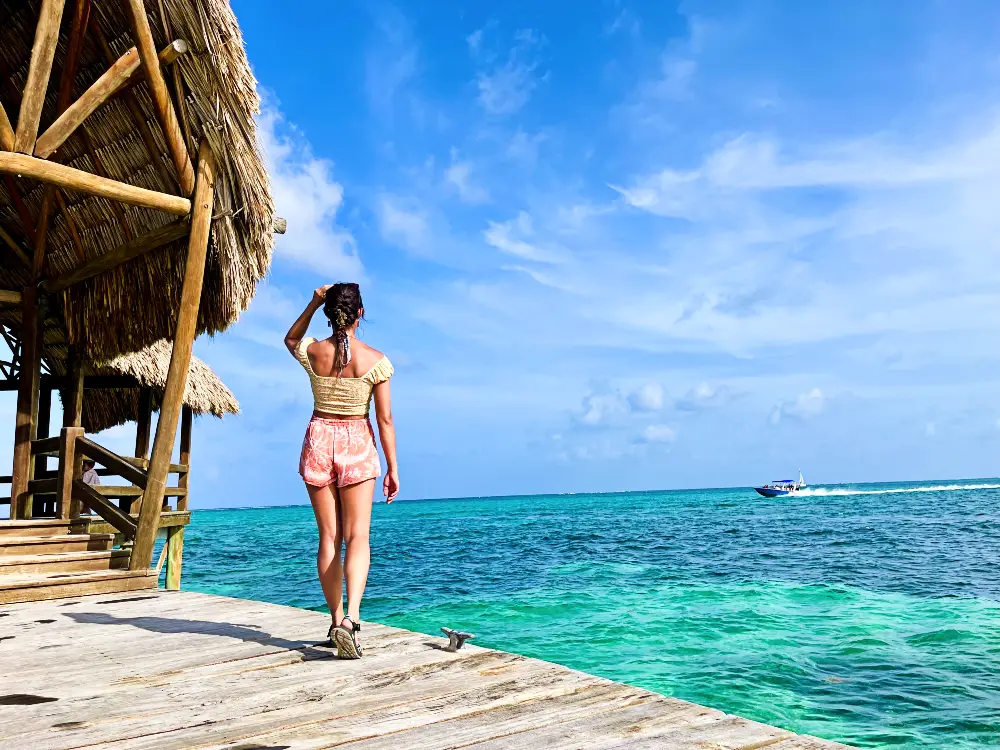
(179, 669)
(43, 51)
(8, 297)
(6, 131)
(111, 460)
(84, 182)
(180, 355)
(94, 500)
(161, 97)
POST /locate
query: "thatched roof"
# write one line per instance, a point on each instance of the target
(104, 408)
(134, 305)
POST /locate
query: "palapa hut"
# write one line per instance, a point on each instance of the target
(135, 214)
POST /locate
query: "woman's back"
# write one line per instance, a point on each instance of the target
(322, 355)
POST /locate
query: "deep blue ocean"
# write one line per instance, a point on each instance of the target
(868, 614)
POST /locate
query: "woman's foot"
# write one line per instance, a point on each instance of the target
(346, 637)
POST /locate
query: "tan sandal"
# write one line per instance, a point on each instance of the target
(347, 639)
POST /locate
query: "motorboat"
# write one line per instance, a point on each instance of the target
(781, 487)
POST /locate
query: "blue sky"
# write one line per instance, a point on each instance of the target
(621, 245)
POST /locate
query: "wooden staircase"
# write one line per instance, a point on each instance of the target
(51, 558)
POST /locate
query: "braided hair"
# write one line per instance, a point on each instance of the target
(343, 307)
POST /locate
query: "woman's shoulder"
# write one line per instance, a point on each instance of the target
(367, 355)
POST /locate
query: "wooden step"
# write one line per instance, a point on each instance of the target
(37, 527)
(41, 545)
(37, 587)
(64, 562)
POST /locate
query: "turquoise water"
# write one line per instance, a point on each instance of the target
(868, 614)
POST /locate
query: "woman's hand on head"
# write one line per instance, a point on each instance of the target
(319, 295)
(390, 487)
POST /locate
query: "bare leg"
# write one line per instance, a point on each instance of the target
(356, 507)
(331, 573)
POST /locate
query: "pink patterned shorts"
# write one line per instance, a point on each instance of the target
(338, 450)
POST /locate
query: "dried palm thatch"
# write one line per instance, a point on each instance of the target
(135, 304)
(205, 392)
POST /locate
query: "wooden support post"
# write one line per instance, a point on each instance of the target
(6, 131)
(73, 397)
(70, 469)
(161, 97)
(44, 420)
(42, 52)
(84, 182)
(175, 557)
(144, 423)
(27, 404)
(187, 419)
(180, 361)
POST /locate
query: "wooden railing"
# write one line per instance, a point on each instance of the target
(72, 494)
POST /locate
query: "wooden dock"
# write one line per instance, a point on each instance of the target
(170, 669)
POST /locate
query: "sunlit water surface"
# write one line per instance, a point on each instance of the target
(868, 614)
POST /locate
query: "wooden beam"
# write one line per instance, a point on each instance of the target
(42, 232)
(8, 297)
(175, 557)
(122, 254)
(180, 360)
(144, 421)
(42, 52)
(43, 423)
(74, 235)
(70, 469)
(161, 97)
(14, 245)
(104, 508)
(6, 131)
(74, 46)
(23, 213)
(167, 180)
(187, 420)
(99, 170)
(27, 404)
(111, 460)
(167, 56)
(73, 394)
(99, 92)
(91, 382)
(84, 182)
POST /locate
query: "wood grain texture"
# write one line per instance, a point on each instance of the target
(161, 97)
(84, 182)
(27, 404)
(113, 79)
(164, 669)
(180, 360)
(43, 51)
(6, 131)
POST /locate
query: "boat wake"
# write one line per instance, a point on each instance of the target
(834, 491)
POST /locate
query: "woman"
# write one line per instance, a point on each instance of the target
(339, 462)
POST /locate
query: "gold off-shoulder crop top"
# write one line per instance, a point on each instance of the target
(348, 397)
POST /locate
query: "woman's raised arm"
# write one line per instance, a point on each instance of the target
(301, 324)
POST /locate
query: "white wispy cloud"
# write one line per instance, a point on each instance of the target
(505, 87)
(515, 237)
(459, 176)
(402, 221)
(647, 397)
(705, 396)
(805, 406)
(659, 433)
(309, 197)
